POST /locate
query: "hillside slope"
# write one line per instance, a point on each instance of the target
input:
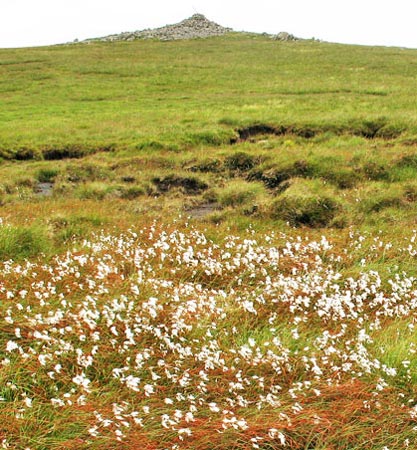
(182, 92)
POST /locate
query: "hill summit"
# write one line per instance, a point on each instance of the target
(196, 26)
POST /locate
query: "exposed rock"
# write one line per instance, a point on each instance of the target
(284, 36)
(196, 26)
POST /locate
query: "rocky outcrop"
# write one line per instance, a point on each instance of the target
(284, 36)
(196, 26)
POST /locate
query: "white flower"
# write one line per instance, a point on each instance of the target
(189, 417)
(185, 431)
(149, 389)
(273, 433)
(10, 346)
(81, 380)
(93, 431)
(213, 407)
(132, 382)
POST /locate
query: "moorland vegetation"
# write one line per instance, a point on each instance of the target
(208, 244)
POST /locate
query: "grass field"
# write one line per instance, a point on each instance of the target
(208, 244)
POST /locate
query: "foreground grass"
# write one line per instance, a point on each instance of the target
(160, 338)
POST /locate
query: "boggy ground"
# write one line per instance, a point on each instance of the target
(327, 181)
(161, 337)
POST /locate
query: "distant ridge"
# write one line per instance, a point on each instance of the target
(196, 26)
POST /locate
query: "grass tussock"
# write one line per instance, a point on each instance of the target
(240, 161)
(189, 185)
(305, 203)
(239, 192)
(18, 242)
(69, 228)
(47, 175)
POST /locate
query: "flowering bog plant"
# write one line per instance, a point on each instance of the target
(162, 339)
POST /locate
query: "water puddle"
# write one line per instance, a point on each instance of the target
(201, 211)
(44, 189)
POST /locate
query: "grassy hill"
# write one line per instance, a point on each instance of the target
(191, 92)
(208, 244)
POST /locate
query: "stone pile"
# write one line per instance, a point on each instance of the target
(196, 26)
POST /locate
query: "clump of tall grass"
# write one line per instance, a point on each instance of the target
(306, 202)
(375, 171)
(240, 161)
(378, 196)
(86, 172)
(19, 242)
(71, 227)
(273, 174)
(95, 190)
(188, 185)
(47, 175)
(207, 165)
(132, 192)
(240, 192)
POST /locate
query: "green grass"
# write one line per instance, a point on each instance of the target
(239, 192)
(194, 93)
(17, 243)
(306, 203)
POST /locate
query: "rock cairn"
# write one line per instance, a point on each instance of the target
(196, 26)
